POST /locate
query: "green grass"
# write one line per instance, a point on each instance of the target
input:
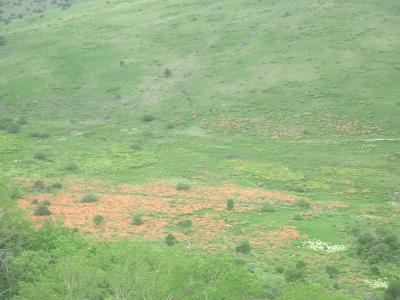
(300, 98)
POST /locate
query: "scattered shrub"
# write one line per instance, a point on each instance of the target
(185, 224)
(148, 118)
(40, 156)
(170, 126)
(267, 207)
(89, 198)
(301, 264)
(393, 291)
(2, 40)
(299, 188)
(39, 134)
(297, 217)
(135, 146)
(34, 201)
(170, 240)
(137, 219)
(296, 274)
(13, 128)
(46, 203)
(375, 270)
(332, 272)
(97, 220)
(230, 204)
(280, 269)
(167, 73)
(303, 204)
(42, 210)
(396, 197)
(5, 122)
(243, 248)
(183, 186)
(39, 185)
(56, 185)
(71, 167)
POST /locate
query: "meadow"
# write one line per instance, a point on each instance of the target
(262, 137)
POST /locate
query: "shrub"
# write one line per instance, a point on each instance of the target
(332, 272)
(71, 167)
(297, 217)
(137, 219)
(280, 269)
(97, 220)
(89, 198)
(267, 207)
(40, 156)
(170, 240)
(183, 186)
(56, 185)
(34, 201)
(46, 203)
(299, 188)
(148, 118)
(5, 122)
(375, 269)
(13, 128)
(396, 197)
(303, 204)
(39, 185)
(2, 40)
(243, 248)
(296, 274)
(185, 224)
(393, 291)
(230, 204)
(39, 134)
(42, 210)
(301, 264)
(170, 126)
(167, 73)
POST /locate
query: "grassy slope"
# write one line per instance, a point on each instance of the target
(292, 91)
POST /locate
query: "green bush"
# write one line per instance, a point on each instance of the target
(39, 134)
(280, 269)
(56, 185)
(297, 217)
(299, 188)
(13, 128)
(89, 198)
(296, 274)
(267, 207)
(40, 156)
(42, 210)
(39, 185)
(170, 240)
(167, 73)
(148, 118)
(230, 204)
(137, 219)
(97, 220)
(2, 40)
(332, 272)
(185, 224)
(301, 264)
(393, 291)
(243, 248)
(34, 201)
(71, 167)
(183, 186)
(304, 204)
(46, 203)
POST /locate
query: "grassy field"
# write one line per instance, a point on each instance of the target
(290, 109)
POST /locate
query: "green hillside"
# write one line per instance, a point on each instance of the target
(275, 123)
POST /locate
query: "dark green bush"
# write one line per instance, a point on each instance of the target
(56, 185)
(170, 240)
(89, 198)
(297, 217)
(39, 134)
(148, 118)
(332, 272)
(40, 156)
(2, 40)
(183, 186)
(230, 204)
(42, 210)
(243, 248)
(393, 291)
(301, 264)
(13, 128)
(137, 219)
(71, 167)
(280, 269)
(46, 203)
(304, 204)
(267, 207)
(34, 201)
(296, 274)
(167, 73)
(39, 185)
(185, 224)
(299, 188)
(97, 220)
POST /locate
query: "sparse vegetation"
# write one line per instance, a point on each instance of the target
(243, 248)
(98, 220)
(2, 40)
(71, 167)
(230, 204)
(89, 198)
(170, 240)
(137, 219)
(42, 210)
(148, 118)
(183, 186)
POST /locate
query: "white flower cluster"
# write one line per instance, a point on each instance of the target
(376, 283)
(324, 247)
